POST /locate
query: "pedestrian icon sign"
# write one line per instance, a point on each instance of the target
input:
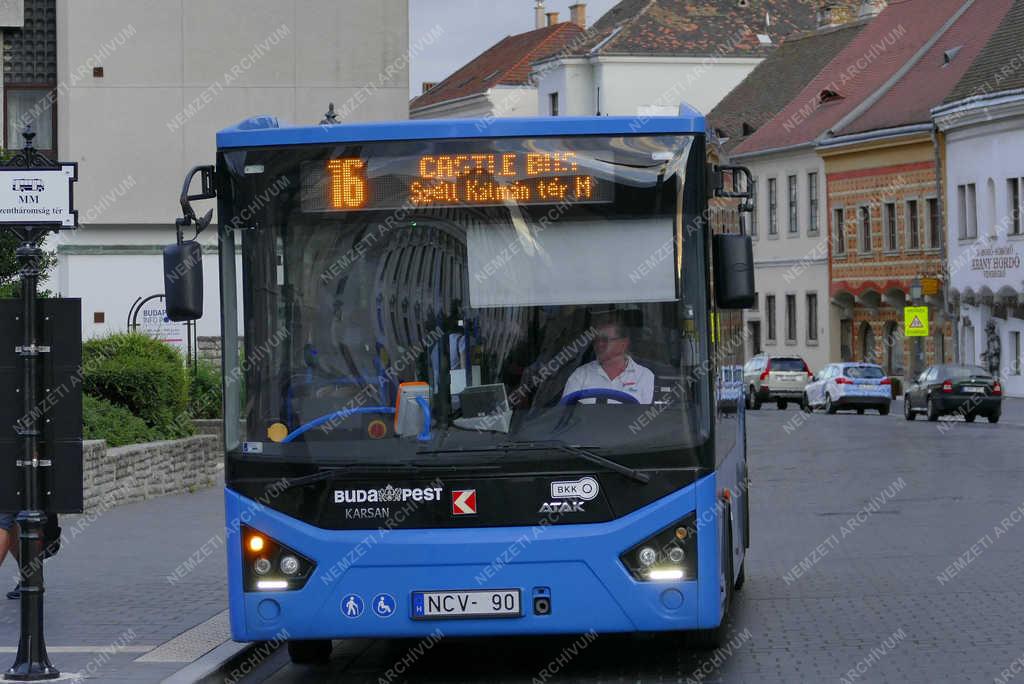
(384, 605)
(915, 321)
(352, 606)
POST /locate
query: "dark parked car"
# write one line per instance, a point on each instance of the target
(970, 391)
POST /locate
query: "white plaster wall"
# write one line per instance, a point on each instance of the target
(136, 275)
(628, 83)
(216, 63)
(977, 153)
(573, 80)
(502, 102)
(513, 101)
(788, 264)
(474, 107)
(175, 72)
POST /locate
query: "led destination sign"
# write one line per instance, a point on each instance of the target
(450, 180)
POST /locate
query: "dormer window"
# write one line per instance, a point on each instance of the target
(748, 129)
(826, 96)
(949, 55)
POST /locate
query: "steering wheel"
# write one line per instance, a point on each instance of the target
(597, 393)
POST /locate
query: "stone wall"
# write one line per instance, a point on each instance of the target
(209, 349)
(120, 475)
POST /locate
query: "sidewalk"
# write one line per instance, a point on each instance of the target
(126, 581)
(1013, 411)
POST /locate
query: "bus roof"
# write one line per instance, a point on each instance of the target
(262, 131)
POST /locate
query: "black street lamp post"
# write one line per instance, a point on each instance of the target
(32, 662)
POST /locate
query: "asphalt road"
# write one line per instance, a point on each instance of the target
(883, 551)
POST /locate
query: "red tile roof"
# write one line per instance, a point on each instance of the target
(699, 29)
(931, 79)
(871, 59)
(791, 67)
(505, 63)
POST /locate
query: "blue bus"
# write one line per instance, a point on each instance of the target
(476, 385)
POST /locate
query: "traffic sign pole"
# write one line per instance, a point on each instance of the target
(32, 662)
(44, 190)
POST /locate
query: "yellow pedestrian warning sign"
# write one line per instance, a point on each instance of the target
(915, 321)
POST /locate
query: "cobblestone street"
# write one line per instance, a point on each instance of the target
(869, 563)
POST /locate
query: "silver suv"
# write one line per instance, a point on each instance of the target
(775, 378)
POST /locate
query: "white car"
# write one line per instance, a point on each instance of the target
(857, 386)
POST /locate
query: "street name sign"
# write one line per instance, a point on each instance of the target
(35, 196)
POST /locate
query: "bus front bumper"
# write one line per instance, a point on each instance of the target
(576, 566)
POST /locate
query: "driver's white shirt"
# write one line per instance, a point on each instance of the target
(635, 380)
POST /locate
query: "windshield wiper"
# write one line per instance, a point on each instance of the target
(631, 473)
(323, 474)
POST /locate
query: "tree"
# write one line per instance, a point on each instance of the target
(9, 279)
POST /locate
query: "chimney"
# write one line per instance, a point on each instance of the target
(578, 14)
(552, 18)
(833, 13)
(538, 14)
(427, 85)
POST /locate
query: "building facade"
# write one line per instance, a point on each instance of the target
(986, 169)
(790, 257)
(983, 124)
(867, 115)
(135, 91)
(887, 232)
(498, 82)
(792, 314)
(646, 57)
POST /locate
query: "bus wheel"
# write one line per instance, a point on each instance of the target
(710, 639)
(310, 652)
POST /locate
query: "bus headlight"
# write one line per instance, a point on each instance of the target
(668, 555)
(289, 565)
(269, 565)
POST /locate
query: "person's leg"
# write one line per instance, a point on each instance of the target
(15, 543)
(5, 543)
(8, 536)
(15, 549)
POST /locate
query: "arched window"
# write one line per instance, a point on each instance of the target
(894, 363)
(867, 343)
(967, 348)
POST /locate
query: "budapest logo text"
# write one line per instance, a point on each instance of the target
(387, 494)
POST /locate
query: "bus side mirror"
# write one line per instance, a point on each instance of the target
(183, 281)
(734, 271)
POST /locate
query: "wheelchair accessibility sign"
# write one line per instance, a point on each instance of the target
(384, 605)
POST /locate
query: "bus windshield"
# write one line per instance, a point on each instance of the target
(473, 301)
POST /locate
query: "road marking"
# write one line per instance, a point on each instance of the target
(100, 648)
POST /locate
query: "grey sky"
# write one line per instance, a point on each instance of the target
(472, 26)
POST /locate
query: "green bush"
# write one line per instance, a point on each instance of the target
(206, 394)
(116, 424)
(143, 375)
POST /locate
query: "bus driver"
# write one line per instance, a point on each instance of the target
(612, 368)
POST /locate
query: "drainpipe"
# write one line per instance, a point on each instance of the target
(951, 313)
